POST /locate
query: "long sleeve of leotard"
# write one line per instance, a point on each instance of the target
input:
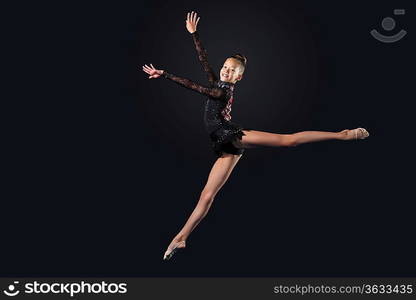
(213, 92)
(203, 58)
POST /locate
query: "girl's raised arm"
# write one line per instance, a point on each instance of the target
(191, 24)
(214, 92)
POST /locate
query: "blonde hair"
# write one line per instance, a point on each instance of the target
(242, 59)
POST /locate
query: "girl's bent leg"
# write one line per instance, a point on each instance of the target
(219, 174)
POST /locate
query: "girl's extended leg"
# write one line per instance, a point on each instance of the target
(219, 174)
(261, 138)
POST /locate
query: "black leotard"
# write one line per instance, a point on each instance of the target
(217, 117)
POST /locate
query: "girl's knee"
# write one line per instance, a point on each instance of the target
(207, 197)
(290, 140)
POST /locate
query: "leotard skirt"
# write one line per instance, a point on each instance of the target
(227, 139)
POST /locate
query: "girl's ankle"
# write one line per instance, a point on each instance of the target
(342, 135)
(180, 238)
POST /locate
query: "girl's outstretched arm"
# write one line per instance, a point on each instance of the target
(209, 91)
(191, 24)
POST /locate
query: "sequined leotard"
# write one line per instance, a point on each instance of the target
(224, 134)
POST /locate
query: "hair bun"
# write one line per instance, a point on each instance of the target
(241, 58)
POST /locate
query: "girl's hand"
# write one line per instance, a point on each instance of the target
(192, 22)
(152, 71)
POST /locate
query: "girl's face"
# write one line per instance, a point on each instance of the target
(230, 71)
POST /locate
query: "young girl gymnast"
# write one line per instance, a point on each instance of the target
(229, 139)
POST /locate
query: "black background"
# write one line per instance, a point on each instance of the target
(106, 165)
